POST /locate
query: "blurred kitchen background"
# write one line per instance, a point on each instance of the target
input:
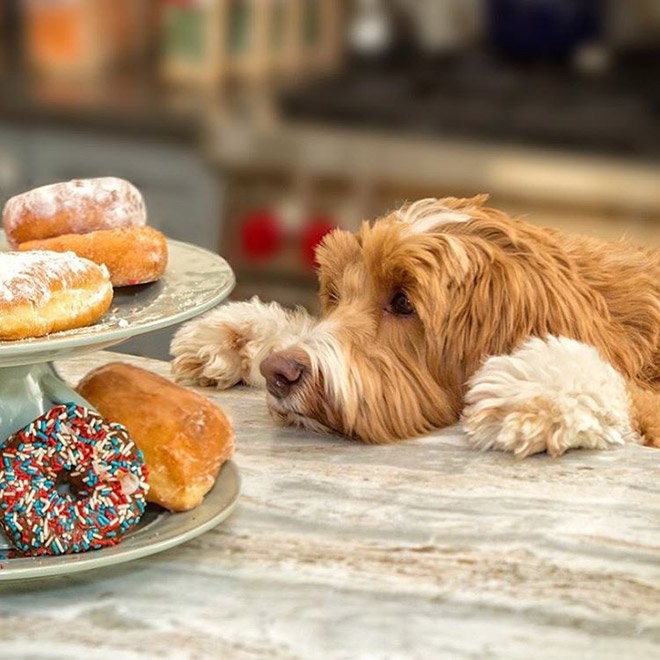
(254, 126)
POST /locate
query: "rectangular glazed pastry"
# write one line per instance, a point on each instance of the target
(184, 437)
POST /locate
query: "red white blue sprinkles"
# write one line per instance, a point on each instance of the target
(104, 473)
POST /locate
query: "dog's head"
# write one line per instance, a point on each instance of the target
(411, 304)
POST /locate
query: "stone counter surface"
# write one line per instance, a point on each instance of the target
(424, 549)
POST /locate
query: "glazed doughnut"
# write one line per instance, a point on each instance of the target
(184, 437)
(105, 472)
(134, 255)
(44, 292)
(73, 207)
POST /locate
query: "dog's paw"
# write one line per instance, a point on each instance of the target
(207, 351)
(225, 346)
(550, 395)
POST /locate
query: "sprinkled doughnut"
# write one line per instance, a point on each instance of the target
(103, 468)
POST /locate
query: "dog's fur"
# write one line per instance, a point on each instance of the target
(535, 340)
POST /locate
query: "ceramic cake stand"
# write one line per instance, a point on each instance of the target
(195, 281)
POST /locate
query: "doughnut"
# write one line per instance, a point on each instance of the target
(102, 467)
(133, 255)
(184, 437)
(44, 292)
(72, 207)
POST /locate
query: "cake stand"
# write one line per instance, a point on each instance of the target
(195, 281)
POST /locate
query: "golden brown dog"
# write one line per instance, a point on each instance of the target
(447, 310)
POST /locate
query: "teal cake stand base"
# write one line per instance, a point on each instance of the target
(28, 391)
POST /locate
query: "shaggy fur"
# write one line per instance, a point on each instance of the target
(534, 339)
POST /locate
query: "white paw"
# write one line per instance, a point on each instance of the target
(550, 395)
(207, 351)
(226, 346)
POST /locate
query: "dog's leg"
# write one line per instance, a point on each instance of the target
(549, 395)
(226, 346)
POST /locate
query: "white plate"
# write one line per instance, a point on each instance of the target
(158, 530)
(196, 280)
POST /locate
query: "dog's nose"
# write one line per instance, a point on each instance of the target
(282, 373)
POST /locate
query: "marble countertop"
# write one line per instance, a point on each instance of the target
(425, 549)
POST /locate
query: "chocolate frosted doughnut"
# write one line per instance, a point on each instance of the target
(103, 469)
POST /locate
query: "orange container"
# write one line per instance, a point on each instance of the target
(79, 37)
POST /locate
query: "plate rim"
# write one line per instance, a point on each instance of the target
(113, 556)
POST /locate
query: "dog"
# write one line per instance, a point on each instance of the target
(448, 311)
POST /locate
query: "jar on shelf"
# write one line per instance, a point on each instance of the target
(74, 38)
(211, 41)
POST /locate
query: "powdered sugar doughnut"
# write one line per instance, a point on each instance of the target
(43, 292)
(73, 207)
(104, 471)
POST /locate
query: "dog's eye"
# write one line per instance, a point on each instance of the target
(400, 305)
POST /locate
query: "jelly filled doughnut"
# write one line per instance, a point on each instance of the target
(73, 207)
(43, 292)
(102, 467)
(133, 255)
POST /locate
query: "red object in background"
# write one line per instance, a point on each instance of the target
(261, 235)
(312, 234)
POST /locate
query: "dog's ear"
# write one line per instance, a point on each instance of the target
(336, 250)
